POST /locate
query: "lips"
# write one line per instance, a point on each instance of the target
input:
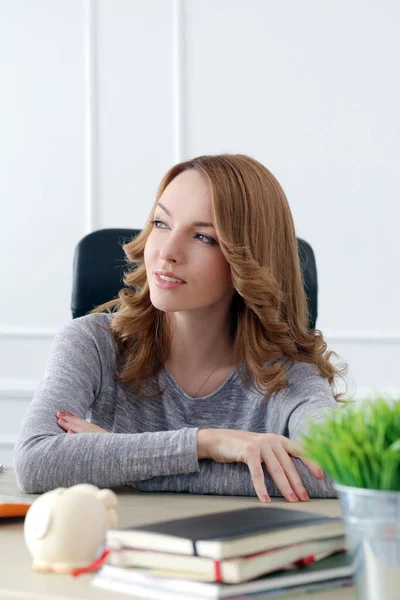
(169, 274)
(167, 284)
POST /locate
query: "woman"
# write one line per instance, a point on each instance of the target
(203, 372)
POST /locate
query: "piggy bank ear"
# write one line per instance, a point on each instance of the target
(85, 488)
(42, 514)
(112, 517)
(42, 524)
(108, 498)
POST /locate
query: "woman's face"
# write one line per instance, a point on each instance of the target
(183, 246)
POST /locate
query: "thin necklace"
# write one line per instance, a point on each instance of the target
(213, 369)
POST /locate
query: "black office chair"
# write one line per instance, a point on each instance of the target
(99, 264)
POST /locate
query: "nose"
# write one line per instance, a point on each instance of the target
(171, 250)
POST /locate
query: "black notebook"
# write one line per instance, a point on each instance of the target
(229, 533)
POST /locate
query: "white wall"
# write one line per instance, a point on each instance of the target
(99, 98)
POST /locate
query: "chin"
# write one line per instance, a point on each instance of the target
(164, 304)
(170, 305)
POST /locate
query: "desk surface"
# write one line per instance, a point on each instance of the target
(17, 580)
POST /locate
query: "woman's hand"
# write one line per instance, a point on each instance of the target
(72, 424)
(231, 445)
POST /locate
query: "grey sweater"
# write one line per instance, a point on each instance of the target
(152, 442)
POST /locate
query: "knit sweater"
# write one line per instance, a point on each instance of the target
(151, 443)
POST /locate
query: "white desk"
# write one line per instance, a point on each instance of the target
(17, 580)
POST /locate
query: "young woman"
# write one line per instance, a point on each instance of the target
(203, 373)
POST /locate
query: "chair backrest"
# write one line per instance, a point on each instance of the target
(99, 263)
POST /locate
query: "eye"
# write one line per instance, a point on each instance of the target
(206, 239)
(156, 224)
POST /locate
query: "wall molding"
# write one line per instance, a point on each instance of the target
(24, 389)
(362, 392)
(178, 84)
(8, 440)
(362, 336)
(91, 120)
(351, 336)
(36, 333)
(14, 389)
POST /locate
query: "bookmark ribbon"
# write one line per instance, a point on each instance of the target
(217, 571)
(93, 566)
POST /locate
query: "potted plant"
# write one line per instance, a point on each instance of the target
(358, 446)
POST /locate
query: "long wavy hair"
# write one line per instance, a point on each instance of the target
(269, 311)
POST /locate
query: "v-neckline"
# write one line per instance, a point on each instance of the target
(232, 376)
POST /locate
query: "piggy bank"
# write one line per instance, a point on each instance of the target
(65, 529)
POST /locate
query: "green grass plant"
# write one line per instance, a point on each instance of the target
(358, 445)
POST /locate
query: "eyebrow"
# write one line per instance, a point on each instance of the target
(195, 224)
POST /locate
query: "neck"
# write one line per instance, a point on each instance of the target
(198, 341)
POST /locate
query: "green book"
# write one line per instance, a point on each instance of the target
(333, 571)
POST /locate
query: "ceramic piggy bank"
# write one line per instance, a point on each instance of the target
(65, 528)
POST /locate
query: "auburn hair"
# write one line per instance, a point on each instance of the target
(269, 312)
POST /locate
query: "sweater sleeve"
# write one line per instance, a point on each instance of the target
(46, 457)
(233, 479)
(311, 399)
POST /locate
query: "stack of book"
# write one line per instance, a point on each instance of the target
(253, 552)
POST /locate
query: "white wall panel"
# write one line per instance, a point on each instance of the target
(42, 160)
(6, 450)
(311, 89)
(42, 189)
(136, 126)
(23, 359)
(373, 366)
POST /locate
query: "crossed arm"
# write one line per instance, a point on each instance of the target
(293, 477)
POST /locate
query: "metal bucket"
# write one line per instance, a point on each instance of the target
(372, 520)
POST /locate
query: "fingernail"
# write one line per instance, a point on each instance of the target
(293, 497)
(320, 473)
(305, 496)
(60, 412)
(266, 499)
(69, 414)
